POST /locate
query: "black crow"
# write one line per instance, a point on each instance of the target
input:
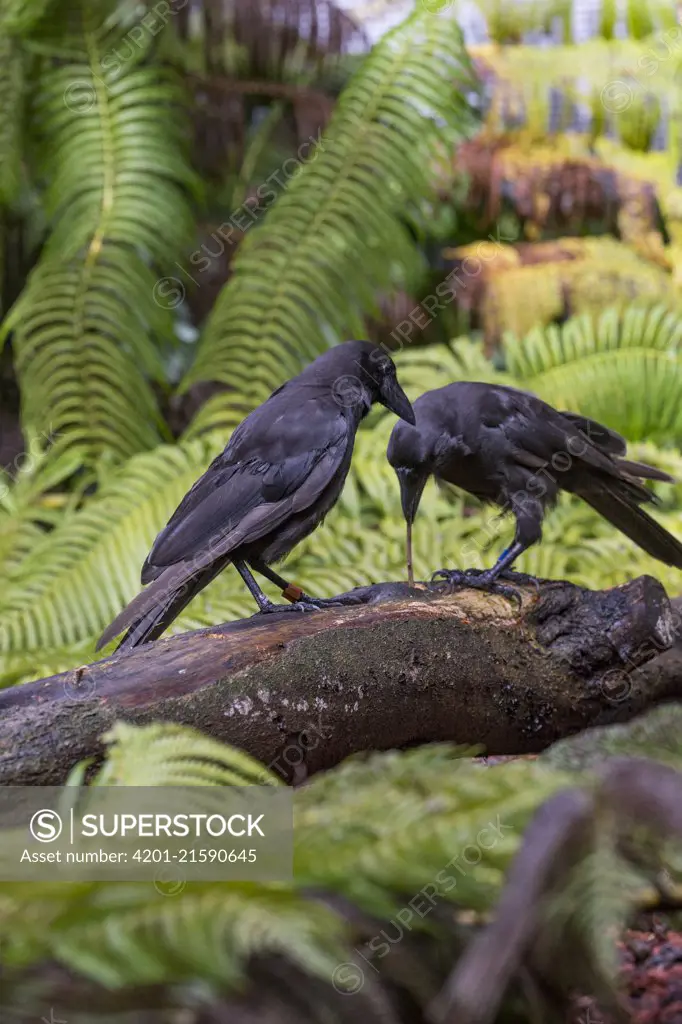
(509, 448)
(280, 474)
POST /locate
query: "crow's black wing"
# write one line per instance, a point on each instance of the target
(538, 433)
(603, 437)
(240, 499)
(268, 459)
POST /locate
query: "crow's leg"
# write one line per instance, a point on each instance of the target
(264, 603)
(504, 563)
(289, 590)
(528, 531)
(293, 593)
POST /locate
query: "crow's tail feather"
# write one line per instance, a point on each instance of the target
(641, 469)
(154, 609)
(601, 437)
(613, 499)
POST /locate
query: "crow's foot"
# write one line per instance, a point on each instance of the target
(520, 577)
(445, 581)
(343, 601)
(305, 603)
(299, 597)
(302, 605)
(320, 603)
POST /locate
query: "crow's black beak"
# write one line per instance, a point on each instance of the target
(394, 398)
(412, 484)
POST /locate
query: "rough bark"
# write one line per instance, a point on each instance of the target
(303, 691)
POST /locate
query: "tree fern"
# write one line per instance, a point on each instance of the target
(108, 138)
(334, 238)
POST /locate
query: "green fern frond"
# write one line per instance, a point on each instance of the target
(112, 135)
(334, 237)
(379, 830)
(78, 578)
(26, 509)
(396, 823)
(402, 819)
(594, 903)
(623, 368)
(18, 17)
(11, 111)
(433, 366)
(81, 337)
(172, 755)
(128, 934)
(656, 735)
(108, 134)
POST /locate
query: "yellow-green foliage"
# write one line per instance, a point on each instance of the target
(624, 81)
(522, 289)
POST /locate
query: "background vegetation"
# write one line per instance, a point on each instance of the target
(195, 200)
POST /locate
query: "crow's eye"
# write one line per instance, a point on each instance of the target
(383, 364)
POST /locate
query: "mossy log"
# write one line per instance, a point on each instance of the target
(302, 691)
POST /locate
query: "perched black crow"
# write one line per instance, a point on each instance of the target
(280, 474)
(511, 449)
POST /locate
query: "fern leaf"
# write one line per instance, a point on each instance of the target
(382, 830)
(623, 367)
(81, 339)
(26, 510)
(18, 17)
(108, 134)
(128, 934)
(656, 735)
(80, 576)
(11, 111)
(171, 755)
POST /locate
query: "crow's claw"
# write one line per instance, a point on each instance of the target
(294, 606)
(307, 604)
(521, 577)
(444, 581)
(331, 602)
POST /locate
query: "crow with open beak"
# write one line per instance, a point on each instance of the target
(282, 471)
(509, 448)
